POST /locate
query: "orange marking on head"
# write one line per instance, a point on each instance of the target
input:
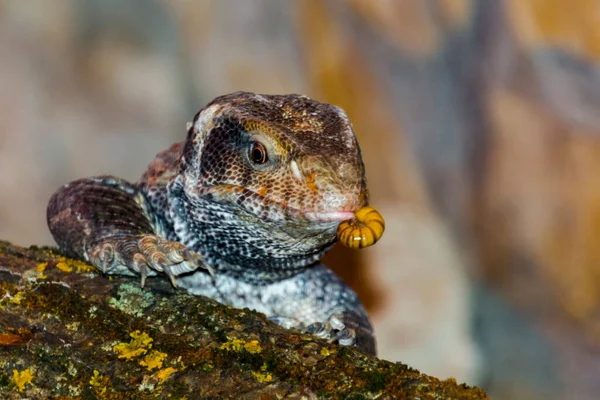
(262, 191)
(310, 182)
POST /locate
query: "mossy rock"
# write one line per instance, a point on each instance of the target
(67, 331)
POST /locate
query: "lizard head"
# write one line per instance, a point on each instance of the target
(275, 173)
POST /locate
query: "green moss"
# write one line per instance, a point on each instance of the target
(4, 379)
(356, 396)
(376, 381)
(342, 353)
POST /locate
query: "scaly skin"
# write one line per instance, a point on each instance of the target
(253, 197)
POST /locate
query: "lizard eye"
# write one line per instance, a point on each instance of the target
(257, 153)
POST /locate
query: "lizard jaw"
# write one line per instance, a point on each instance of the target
(234, 192)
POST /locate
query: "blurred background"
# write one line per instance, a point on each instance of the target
(479, 122)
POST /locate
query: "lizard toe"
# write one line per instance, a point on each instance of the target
(346, 337)
(321, 330)
(145, 255)
(182, 260)
(106, 256)
(158, 261)
(334, 330)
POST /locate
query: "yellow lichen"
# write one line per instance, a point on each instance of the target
(40, 269)
(138, 346)
(262, 376)
(165, 373)
(325, 352)
(22, 378)
(153, 360)
(82, 267)
(74, 326)
(67, 264)
(99, 381)
(16, 299)
(252, 347)
(63, 266)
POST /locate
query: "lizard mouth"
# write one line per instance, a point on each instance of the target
(250, 200)
(329, 216)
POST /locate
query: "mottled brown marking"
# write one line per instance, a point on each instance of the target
(63, 215)
(163, 167)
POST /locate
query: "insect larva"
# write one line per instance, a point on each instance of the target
(363, 231)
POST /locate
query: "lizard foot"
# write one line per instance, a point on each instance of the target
(334, 330)
(145, 255)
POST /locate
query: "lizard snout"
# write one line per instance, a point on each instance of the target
(331, 187)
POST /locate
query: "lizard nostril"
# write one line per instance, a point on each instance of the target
(351, 205)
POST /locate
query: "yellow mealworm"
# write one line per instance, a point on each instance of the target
(363, 231)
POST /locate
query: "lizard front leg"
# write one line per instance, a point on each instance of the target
(328, 308)
(315, 301)
(106, 221)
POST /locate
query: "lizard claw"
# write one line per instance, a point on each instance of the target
(139, 263)
(171, 276)
(146, 255)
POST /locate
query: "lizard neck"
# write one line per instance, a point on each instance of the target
(238, 245)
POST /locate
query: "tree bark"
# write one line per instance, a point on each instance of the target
(66, 330)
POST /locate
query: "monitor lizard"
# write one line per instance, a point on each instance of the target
(241, 212)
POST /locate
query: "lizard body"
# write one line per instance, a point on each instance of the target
(253, 197)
